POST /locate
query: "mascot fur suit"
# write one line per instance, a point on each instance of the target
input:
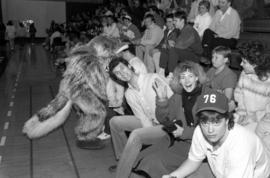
(84, 87)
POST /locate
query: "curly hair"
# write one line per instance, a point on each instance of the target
(254, 53)
(187, 66)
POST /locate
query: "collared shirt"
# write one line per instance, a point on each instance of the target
(152, 36)
(143, 100)
(242, 154)
(226, 25)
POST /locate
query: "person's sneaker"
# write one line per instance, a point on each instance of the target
(113, 168)
(95, 144)
(104, 136)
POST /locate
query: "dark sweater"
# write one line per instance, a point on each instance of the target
(189, 39)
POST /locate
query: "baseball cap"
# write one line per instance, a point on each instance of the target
(212, 100)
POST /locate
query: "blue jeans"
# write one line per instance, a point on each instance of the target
(128, 149)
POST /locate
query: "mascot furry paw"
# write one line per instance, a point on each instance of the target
(83, 87)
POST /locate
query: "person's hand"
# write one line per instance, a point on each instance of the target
(178, 132)
(232, 106)
(164, 46)
(171, 43)
(160, 89)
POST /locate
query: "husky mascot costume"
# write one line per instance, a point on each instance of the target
(86, 87)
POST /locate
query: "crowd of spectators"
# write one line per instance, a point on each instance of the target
(181, 111)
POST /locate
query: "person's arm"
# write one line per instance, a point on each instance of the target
(187, 167)
(185, 39)
(156, 37)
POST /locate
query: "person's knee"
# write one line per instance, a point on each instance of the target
(114, 123)
(135, 137)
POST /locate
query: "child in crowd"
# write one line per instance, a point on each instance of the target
(203, 19)
(220, 77)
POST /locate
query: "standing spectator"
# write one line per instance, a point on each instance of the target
(203, 19)
(21, 34)
(11, 33)
(32, 32)
(224, 29)
(231, 150)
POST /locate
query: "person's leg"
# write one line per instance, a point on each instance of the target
(163, 61)
(137, 138)
(118, 126)
(110, 114)
(186, 55)
(140, 51)
(174, 56)
(156, 58)
(207, 41)
(148, 59)
(231, 43)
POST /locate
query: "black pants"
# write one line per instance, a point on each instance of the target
(172, 56)
(209, 42)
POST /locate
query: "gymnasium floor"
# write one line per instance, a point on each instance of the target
(29, 82)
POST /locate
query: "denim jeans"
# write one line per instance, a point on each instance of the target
(131, 147)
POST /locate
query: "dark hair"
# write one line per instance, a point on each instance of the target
(223, 50)
(254, 53)
(154, 8)
(180, 15)
(149, 16)
(115, 62)
(213, 116)
(205, 3)
(169, 16)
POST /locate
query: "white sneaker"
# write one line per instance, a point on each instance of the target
(104, 136)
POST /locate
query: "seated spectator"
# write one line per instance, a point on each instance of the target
(129, 31)
(231, 150)
(170, 34)
(158, 18)
(151, 38)
(252, 93)
(224, 29)
(186, 47)
(141, 97)
(194, 10)
(111, 30)
(203, 19)
(166, 155)
(220, 77)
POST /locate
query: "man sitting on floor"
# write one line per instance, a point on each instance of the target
(231, 150)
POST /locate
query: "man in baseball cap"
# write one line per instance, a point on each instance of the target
(231, 150)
